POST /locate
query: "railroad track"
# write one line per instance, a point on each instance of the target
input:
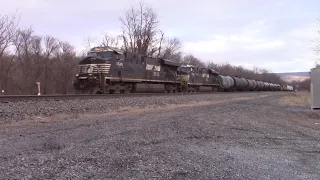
(14, 98)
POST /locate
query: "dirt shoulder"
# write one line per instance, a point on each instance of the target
(296, 99)
(244, 137)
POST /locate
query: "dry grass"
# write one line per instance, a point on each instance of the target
(296, 99)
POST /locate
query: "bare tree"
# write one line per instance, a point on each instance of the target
(89, 43)
(51, 45)
(255, 70)
(171, 50)
(211, 65)
(192, 60)
(66, 67)
(112, 41)
(140, 31)
(160, 45)
(29, 58)
(227, 69)
(8, 26)
(44, 59)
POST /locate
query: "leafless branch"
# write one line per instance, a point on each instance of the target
(8, 27)
(140, 32)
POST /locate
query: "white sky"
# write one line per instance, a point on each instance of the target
(276, 35)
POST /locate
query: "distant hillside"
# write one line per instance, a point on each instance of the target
(294, 76)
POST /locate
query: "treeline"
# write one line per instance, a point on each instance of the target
(27, 58)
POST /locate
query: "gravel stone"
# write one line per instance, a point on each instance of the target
(21, 110)
(235, 139)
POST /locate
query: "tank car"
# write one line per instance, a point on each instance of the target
(110, 70)
(227, 83)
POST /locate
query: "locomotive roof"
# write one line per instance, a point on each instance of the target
(187, 65)
(170, 62)
(213, 71)
(107, 48)
(90, 60)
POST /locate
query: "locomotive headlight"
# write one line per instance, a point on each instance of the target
(77, 75)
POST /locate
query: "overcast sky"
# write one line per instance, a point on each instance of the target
(272, 34)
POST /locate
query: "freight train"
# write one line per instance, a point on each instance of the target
(111, 70)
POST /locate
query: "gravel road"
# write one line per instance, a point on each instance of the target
(233, 136)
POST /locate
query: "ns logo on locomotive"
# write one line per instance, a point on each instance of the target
(111, 70)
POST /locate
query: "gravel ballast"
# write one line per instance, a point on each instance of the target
(17, 111)
(243, 136)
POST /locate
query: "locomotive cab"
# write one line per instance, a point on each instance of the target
(98, 61)
(95, 66)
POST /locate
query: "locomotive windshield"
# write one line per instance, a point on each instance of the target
(102, 54)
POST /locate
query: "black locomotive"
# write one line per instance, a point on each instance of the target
(111, 70)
